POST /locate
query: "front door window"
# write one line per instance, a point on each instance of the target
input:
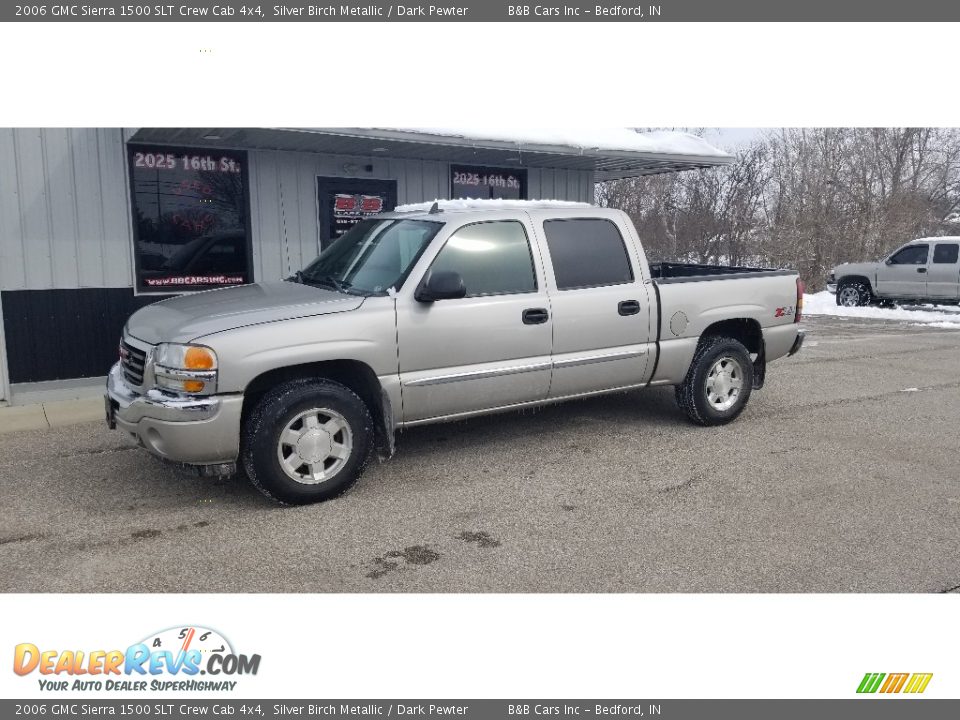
(911, 255)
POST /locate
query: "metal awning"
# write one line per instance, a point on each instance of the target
(446, 146)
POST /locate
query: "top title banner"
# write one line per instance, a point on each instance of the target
(487, 11)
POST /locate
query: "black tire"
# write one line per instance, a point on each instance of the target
(692, 394)
(263, 426)
(856, 293)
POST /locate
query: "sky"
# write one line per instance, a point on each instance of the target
(731, 138)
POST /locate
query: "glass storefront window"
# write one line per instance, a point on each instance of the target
(190, 218)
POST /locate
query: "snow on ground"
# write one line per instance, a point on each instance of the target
(824, 303)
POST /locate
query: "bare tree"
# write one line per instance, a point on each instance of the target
(806, 198)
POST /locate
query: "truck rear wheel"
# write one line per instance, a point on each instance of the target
(306, 441)
(718, 383)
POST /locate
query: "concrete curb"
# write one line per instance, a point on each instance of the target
(43, 416)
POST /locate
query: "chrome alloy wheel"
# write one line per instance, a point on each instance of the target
(724, 383)
(315, 446)
(849, 296)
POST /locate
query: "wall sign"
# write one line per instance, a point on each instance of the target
(190, 218)
(348, 209)
(343, 202)
(484, 182)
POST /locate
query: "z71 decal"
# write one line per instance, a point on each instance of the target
(784, 312)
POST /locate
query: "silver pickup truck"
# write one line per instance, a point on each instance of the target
(438, 314)
(925, 270)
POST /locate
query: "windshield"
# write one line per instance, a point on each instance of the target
(373, 256)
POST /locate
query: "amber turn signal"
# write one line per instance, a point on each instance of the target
(198, 358)
(193, 386)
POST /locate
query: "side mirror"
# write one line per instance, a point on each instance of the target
(443, 285)
(888, 261)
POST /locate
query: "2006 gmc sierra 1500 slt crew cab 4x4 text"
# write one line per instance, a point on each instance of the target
(437, 313)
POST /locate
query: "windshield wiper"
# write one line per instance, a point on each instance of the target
(338, 285)
(325, 281)
(322, 281)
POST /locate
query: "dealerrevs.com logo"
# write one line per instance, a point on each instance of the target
(892, 683)
(172, 659)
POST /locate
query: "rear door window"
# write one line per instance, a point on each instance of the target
(587, 252)
(946, 253)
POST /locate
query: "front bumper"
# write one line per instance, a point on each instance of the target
(832, 288)
(192, 430)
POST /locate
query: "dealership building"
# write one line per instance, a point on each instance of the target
(96, 223)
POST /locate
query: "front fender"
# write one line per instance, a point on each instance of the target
(367, 335)
(865, 271)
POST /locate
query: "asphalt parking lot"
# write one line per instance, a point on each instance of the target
(841, 476)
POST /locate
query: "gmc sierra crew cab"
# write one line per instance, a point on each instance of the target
(436, 313)
(925, 270)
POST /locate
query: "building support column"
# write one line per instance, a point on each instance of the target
(4, 375)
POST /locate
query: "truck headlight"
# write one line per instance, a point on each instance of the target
(185, 368)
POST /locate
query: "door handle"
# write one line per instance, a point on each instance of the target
(921, 270)
(535, 316)
(628, 307)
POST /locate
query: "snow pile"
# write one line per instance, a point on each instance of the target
(667, 142)
(824, 303)
(490, 204)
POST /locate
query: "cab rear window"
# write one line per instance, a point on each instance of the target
(946, 253)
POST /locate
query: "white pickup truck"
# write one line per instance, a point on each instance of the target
(433, 314)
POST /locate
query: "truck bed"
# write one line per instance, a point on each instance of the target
(668, 272)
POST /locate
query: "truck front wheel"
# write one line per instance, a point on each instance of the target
(306, 440)
(854, 294)
(718, 383)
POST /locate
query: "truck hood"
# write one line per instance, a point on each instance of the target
(866, 269)
(185, 318)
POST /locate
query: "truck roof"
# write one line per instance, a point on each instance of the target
(490, 204)
(438, 208)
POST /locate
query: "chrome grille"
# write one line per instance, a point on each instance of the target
(132, 361)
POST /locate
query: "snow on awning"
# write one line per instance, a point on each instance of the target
(610, 153)
(659, 142)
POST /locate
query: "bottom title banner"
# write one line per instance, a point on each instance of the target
(488, 709)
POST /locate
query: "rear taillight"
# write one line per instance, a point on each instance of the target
(801, 288)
